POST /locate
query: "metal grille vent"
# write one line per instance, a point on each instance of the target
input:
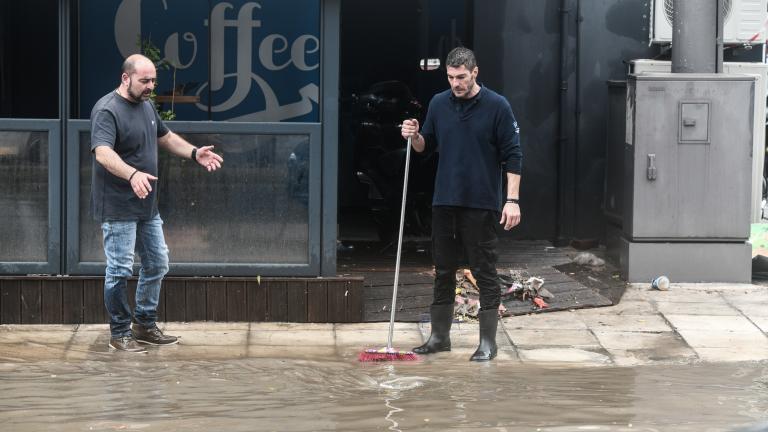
(668, 10)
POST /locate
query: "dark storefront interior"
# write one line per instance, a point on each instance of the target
(382, 83)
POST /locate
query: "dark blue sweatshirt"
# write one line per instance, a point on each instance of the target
(478, 140)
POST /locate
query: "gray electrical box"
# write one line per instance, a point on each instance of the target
(687, 177)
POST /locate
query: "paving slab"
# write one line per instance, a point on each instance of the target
(733, 354)
(628, 307)
(291, 338)
(16, 328)
(214, 337)
(640, 357)
(564, 356)
(37, 336)
(639, 348)
(686, 295)
(378, 326)
(696, 308)
(623, 323)
(205, 326)
(761, 322)
(753, 309)
(583, 339)
(723, 339)
(715, 323)
(566, 320)
(638, 292)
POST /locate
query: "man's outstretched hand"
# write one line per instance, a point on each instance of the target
(208, 159)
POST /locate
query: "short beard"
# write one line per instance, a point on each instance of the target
(134, 97)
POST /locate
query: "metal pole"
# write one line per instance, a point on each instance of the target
(399, 245)
(720, 24)
(693, 35)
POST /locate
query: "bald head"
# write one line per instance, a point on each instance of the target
(135, 62)
(138, 78)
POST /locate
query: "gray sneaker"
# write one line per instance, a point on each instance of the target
(152, 336)
(126, 343)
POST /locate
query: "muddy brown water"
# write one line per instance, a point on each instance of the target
(140, 394)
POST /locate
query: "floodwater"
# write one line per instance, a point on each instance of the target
(136, 393)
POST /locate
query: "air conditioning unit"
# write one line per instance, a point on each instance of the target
(744, 21)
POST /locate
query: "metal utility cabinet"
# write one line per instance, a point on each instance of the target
(687, 178)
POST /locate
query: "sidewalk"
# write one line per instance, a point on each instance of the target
(690, 323)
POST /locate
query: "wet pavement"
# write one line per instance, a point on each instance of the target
(688, 324)
(694, 358)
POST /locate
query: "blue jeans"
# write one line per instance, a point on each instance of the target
(121, 239)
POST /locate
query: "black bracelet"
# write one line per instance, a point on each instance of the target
(132, 174)
(194, 154)
(513, 201)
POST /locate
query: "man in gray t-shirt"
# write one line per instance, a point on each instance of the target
(125, 133)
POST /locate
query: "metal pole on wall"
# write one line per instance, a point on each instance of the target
(720, 24)
(693, 36)
(64, 8)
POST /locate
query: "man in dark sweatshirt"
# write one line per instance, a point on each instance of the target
(478, 141)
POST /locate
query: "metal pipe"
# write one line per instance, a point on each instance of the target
(693, 36)
(720, 25)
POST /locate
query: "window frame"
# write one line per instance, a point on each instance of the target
(53, 263)
(75, 266)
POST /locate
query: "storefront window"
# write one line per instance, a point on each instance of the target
(254, 210)
(24, 196)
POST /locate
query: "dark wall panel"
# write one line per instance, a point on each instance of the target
(296, 299)
(277, 308)
(51, 300)
(94, 311)
(31, 302)
(10, 302)
(196, 301)
(257, 301)
(236, 301)
(317, 303)
(72, 301)
(216, 308)
(517, 45)
(175, 300)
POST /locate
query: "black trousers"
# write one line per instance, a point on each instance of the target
(465, 235)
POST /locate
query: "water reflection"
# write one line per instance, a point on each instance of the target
(271, 394)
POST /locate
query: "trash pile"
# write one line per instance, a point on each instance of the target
(517, 286)
(523, 287)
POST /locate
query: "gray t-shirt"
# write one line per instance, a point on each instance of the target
(131, 130)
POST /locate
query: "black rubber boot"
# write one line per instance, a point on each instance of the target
(440, 338)
(489, 321)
